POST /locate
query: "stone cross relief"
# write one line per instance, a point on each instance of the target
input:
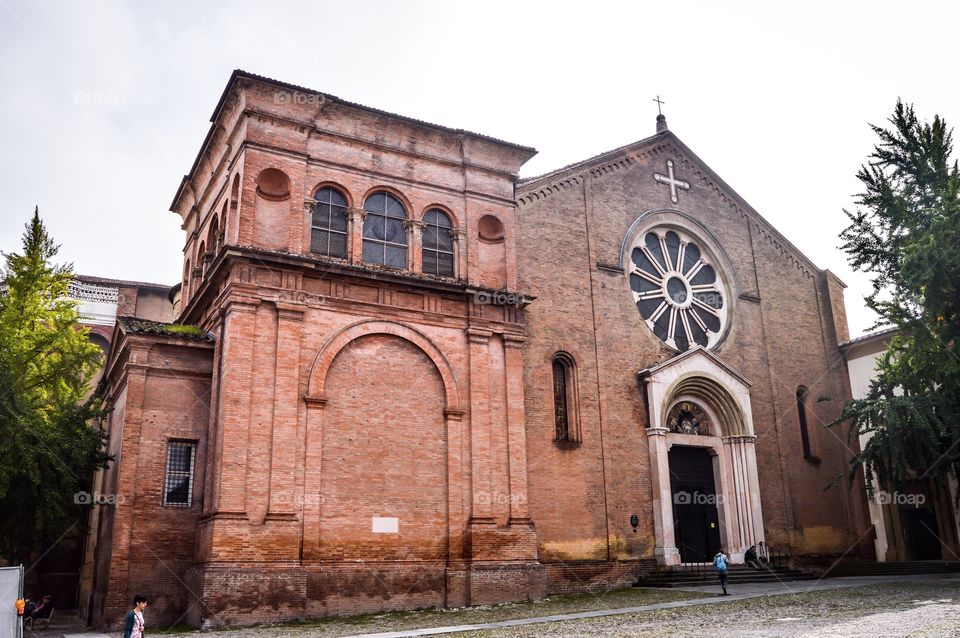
(672, 181)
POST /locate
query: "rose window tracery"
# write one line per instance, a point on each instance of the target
(677, 289)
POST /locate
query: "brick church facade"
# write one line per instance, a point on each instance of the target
(401, 376)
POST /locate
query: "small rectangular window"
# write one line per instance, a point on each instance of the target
(178, 484)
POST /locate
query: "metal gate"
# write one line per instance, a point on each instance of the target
(11, 589)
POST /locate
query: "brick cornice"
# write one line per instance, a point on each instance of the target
(395, 179)
(289, 312)
(513, 340)
(317, 400)
(313, 129)
(479, 335)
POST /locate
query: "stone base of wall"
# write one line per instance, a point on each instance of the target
(235, 594)
(592, 576)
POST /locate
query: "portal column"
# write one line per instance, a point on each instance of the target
(665, 545)
(748, 520)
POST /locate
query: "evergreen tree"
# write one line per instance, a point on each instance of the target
(906, 234)
(50, 444)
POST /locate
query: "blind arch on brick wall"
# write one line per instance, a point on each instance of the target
(339, 340)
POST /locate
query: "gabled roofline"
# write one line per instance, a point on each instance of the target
(582, 165)
(575, 171)
(880, 335)
(692, 352)
(240, 74)
(122, 283)
(123, 337)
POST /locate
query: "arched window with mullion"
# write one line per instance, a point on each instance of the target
(437, 244)
(328, 225)
(384, 234)
(566, 411)
(809, 452)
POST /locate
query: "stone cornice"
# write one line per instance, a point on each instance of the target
(393, 179)
(311, 128)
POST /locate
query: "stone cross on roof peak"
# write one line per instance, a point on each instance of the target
(661, 118)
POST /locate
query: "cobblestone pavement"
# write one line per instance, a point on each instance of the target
(877, 607)
(917, 608)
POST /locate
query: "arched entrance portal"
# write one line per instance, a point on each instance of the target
(702, 457)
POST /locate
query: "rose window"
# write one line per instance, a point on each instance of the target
(677, 289)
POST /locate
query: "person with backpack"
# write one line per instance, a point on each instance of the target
(720, 561)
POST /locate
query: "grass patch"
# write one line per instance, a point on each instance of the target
(184, 330)
(401, 620)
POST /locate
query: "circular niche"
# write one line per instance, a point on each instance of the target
(677, 289)
(273, 184)
(490, 228)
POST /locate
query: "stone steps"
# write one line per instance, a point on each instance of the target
(894, 568)
(686, 577)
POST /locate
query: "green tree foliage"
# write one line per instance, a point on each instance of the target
(906, 234)
(48, 448)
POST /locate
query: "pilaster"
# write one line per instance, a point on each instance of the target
(233, 409)
(480, 428)
(459, 237)
(286, 391)
(414, 244)
(516, 421)
(355, 217)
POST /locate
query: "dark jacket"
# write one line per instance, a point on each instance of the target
(128, 623)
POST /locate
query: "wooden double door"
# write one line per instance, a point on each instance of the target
(696, 518)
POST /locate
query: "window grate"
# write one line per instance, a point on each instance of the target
(178, 486)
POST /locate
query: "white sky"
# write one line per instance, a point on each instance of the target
(104, 104)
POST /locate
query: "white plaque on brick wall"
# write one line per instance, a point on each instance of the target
(385, 525)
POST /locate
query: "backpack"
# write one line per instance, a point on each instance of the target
(720, 562)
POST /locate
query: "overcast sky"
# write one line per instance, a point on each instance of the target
(104, 104)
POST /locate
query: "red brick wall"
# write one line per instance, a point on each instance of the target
(146, 546)
(778, 344)
(374, 466)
